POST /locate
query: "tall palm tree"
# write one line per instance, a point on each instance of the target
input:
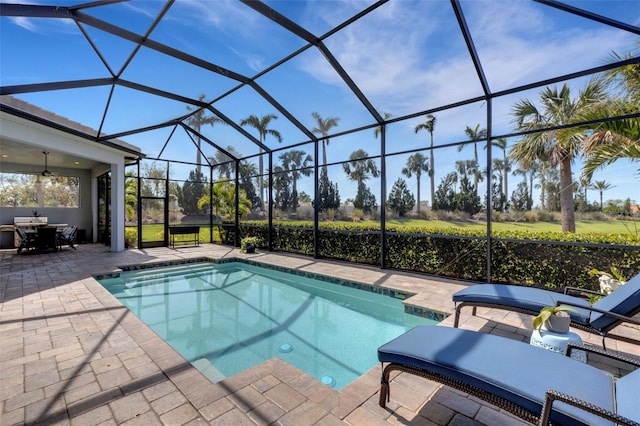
(529, 174)
(506, 163)
(430, 125)
(416, 164)
(378, 129)
(359, 167)
(476, 134)
(323, 127)
(558, 146)
(196, 121)
(297, 163)
(246, 172)
(224, 163)
(601, 186)
(262, 126)
(585, 185)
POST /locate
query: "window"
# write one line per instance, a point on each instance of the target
(34, 190)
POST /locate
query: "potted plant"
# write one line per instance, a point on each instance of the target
(553, 318)
(608, 281)
(249, 244)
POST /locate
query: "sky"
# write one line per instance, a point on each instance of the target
(405, 57)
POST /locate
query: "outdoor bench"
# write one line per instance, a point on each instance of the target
(193, 230)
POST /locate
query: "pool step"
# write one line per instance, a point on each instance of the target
(153, 277)
(208, 370)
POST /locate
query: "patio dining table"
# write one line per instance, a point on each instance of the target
(44, 238)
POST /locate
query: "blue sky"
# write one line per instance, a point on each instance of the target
(406, 57)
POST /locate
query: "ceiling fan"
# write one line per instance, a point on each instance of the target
(46, 171)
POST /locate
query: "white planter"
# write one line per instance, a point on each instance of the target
(558, 323)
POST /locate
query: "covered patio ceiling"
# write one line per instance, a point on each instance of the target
(142, 70)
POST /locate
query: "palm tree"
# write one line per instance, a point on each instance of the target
(611, 140)
(506, 164)
(378, 129)
(130, 195)
(417, 164)
(601, 186)
(262, 126)
(430, 125)
(246, 171)
(614, 140)
(476, 134)
(224, 163)
(323, 127)
(298, 165)
(358, 167)
(196, 121)
(585, 185)
(559, 146)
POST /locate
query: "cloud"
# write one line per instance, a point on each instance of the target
(410, 56)
(25, 23)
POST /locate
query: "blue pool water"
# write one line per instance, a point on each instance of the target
(227, 317)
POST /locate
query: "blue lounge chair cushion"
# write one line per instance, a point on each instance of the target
(528, 298)
(628, 400)
(507, 368)
(624, 301)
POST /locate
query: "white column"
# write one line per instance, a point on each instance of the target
(117, 206)
(94, 209)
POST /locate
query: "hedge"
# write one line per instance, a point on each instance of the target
(546, 259)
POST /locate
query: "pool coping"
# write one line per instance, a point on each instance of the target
(404, 295)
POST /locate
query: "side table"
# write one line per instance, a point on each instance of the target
(557, 342)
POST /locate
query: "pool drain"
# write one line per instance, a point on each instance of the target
(328, 380)
(285, 348)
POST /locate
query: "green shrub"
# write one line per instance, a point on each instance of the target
(130, 237)
(547, 259)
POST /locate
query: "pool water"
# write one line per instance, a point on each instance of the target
(227, 317)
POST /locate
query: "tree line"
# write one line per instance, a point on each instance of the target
(557, 129)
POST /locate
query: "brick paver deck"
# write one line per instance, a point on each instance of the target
(70, 353)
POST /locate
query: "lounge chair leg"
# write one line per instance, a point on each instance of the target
(457, 318)
(546, 409)
(385, 390)
(384, 394)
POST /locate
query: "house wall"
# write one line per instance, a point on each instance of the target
(81, 216)
(113, 155)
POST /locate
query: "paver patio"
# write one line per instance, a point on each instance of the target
(70, 353)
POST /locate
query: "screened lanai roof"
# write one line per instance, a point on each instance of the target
(137, 70)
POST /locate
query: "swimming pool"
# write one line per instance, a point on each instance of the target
(227, 317)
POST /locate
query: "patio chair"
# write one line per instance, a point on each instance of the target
(599, 318)
(515, 376)
(27, 241)
(67, 237)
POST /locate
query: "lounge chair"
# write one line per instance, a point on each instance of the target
(514, 376)
(599, 318)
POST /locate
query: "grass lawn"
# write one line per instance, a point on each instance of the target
(626, 227)
(616, 227)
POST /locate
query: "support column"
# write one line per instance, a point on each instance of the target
(117, 206)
